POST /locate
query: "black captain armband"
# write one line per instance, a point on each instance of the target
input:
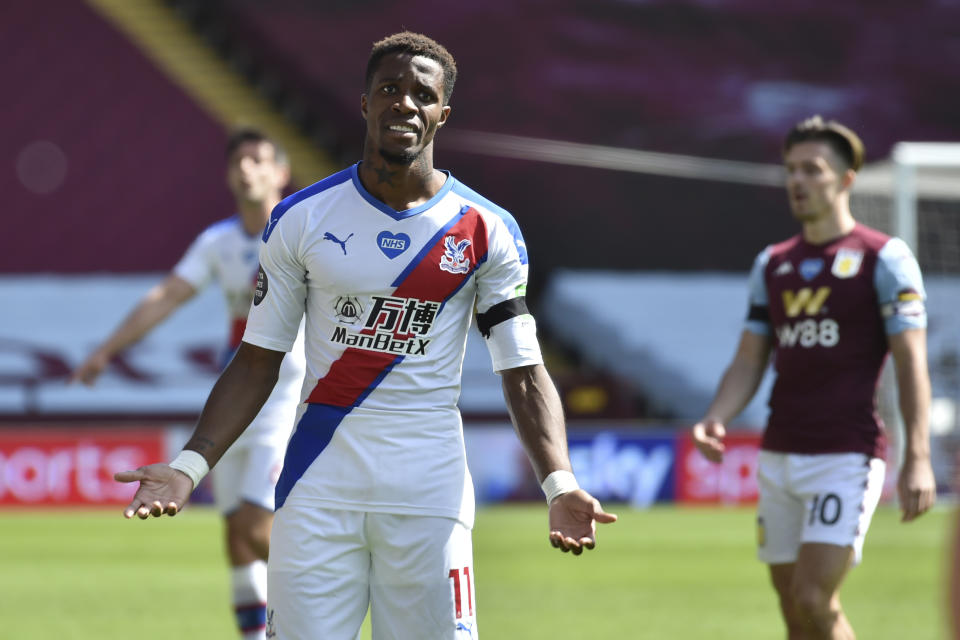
(501, 312)
(759, 313)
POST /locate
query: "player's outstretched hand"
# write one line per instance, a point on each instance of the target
(917, 487)
(708, 437)
(90, 369)
(573, 518)
(163, 490)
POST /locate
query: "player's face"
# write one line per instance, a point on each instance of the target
(816, 177)
(404, 107)
(253, 173)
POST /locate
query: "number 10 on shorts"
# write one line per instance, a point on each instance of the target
(825, 508)
(458, 592)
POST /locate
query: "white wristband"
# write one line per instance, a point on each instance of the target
(191, 463)
(558, 483)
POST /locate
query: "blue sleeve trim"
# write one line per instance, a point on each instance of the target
(758, 311)
(288, 202)
(899, 286)
(463, 190)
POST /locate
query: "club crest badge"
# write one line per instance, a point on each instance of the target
(810, 267)
(453, 258)
(847, 263)
(271, 630)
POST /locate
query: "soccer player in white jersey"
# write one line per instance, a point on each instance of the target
(227, 252)
(829, 304)
(388, 260)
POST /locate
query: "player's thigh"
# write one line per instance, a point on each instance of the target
(422, 583)
(318, 574)
(840, 492)
(821, 568)
(779, 512)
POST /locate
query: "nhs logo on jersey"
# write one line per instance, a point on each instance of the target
(392, 245)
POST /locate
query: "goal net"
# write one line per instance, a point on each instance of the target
(916, 196)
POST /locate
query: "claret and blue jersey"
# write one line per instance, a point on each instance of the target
(388, 297)
(828, 310)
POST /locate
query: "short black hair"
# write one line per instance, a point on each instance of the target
(244, 135)
(841, 139)
(415, 44)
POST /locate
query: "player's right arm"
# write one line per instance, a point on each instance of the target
(152, 309)
(233, 403)
(272, 327)
(739, 383)
(743, 376)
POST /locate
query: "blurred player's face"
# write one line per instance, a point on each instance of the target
(253, 173)
(404, 107)
(816, 179)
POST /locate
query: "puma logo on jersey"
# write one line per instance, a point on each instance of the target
(343, 243)
(805, 300)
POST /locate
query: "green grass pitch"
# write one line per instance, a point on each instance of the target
(666, 573)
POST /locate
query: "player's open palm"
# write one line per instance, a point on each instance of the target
(162, 490)
(573, 518)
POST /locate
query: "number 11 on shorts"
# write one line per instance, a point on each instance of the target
(458, 592)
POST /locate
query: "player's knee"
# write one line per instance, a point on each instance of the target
(812, 602)
(259, 539)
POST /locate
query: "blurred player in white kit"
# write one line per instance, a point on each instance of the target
(227, 253)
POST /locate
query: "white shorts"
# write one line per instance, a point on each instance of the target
(326, 566)
(247, 472)
(827, 498)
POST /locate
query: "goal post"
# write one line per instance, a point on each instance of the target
(916, 196)
(909, 159)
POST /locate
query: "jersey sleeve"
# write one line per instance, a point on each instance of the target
(900, 291)
(502, 314)
(280, 295)
(196, 265)
(758, 312)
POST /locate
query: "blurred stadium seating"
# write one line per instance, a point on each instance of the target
(116, 169)
(720, 79)
(110, 166)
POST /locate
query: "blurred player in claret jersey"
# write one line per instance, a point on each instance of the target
(829, 304)
(227, 253)
(388, 260)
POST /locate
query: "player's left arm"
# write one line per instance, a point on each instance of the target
(532, 399)
(902, 298)
(537, 415)
(917, 486)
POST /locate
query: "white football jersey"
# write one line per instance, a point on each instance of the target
(388, 298)
(226, 254)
